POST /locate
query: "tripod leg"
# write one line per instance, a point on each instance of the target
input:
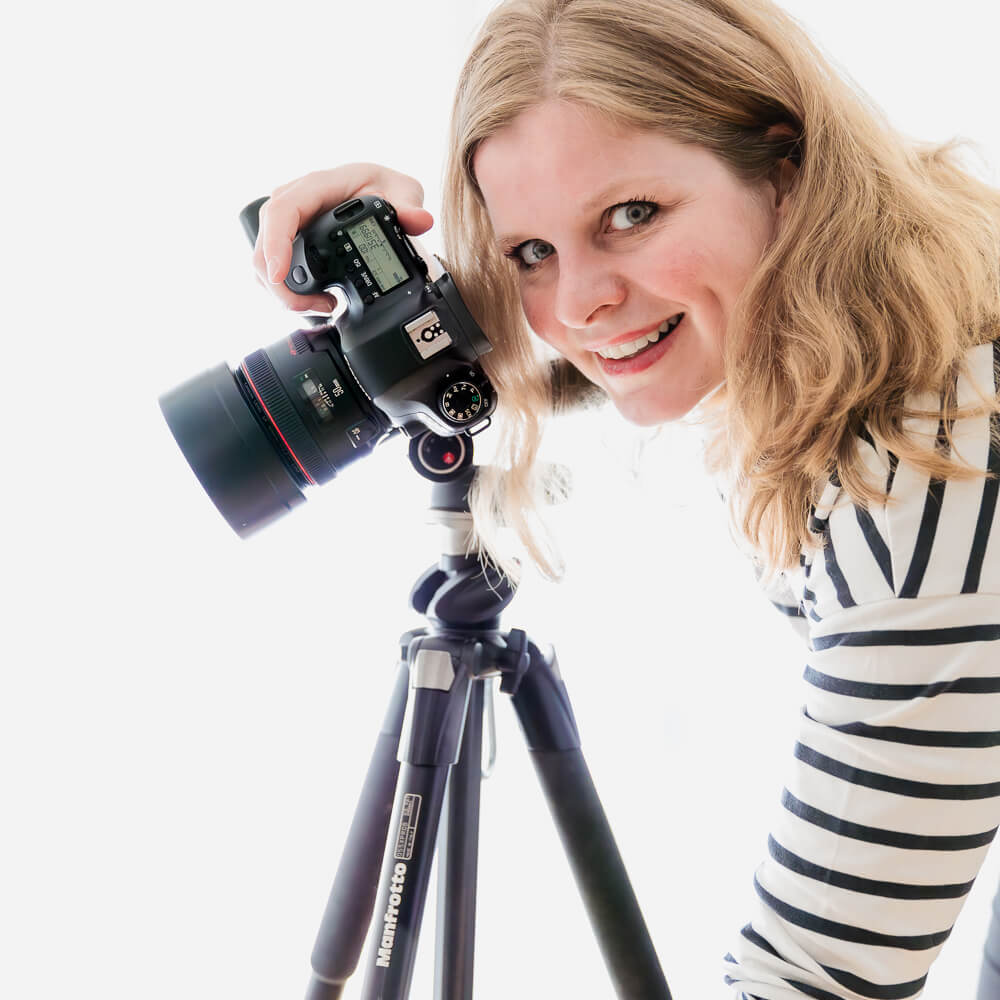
(546, 717)
(428, 747)
(352, 898)
(458, 862)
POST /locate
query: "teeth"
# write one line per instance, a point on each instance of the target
(619, 351)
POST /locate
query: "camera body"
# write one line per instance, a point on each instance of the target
(401, 356)
(405, 334)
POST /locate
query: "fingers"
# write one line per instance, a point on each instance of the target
(414, 219)
(292, 206)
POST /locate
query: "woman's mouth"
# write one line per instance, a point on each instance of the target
(634, 347)
(637, 355)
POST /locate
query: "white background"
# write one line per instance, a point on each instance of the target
(186, 718)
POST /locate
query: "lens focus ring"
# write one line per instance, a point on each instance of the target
(284, 418)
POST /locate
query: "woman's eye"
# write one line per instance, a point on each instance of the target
(533, 252)
(631, 213)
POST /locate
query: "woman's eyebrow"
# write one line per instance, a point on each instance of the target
(504, 242)
(613, 193)
(622, 188)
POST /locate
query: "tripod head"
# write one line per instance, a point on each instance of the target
(462, 592)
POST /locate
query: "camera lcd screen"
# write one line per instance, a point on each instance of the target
(386, 268)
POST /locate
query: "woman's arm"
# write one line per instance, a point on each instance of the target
(893, 796)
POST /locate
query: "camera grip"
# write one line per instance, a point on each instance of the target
(250, 219)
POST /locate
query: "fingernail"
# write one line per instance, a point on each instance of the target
(272, 268)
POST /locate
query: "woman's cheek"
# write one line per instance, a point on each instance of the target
(540, 319)
(675, 276)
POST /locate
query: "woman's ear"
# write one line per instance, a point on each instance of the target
(783, 178)
(783, 175)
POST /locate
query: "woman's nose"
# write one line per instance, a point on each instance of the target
(587, 288)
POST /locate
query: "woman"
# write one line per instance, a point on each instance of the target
(682, 199)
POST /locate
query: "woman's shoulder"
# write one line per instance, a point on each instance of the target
(930, 537)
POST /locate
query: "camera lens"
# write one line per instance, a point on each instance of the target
(288, 417)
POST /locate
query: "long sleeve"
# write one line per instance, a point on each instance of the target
(893, 793)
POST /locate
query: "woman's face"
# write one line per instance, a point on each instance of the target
(616, 233)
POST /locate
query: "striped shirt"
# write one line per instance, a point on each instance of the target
(893, 796)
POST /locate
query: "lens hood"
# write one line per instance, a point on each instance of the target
(235, 462)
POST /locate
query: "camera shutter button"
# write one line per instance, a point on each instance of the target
(299, 275)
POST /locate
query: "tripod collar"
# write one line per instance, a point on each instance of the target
(458, 534)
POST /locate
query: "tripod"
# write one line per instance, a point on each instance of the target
(427, 761)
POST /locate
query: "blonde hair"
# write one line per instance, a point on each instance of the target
(884, 273)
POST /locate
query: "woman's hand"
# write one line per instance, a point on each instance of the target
(292, 206)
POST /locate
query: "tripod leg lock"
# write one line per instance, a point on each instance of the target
(515, 661)
(543, 707)
(441, 672)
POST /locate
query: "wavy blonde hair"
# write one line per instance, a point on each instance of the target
(885, 271)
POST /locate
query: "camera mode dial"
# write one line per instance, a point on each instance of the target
(461, 402)
(466, 397)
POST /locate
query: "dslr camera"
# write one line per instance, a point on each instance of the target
(402, 356)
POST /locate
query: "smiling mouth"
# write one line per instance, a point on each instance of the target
(629, 350)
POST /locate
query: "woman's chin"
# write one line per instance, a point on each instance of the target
(651, 412)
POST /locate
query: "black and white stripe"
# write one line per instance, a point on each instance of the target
(893, 797)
